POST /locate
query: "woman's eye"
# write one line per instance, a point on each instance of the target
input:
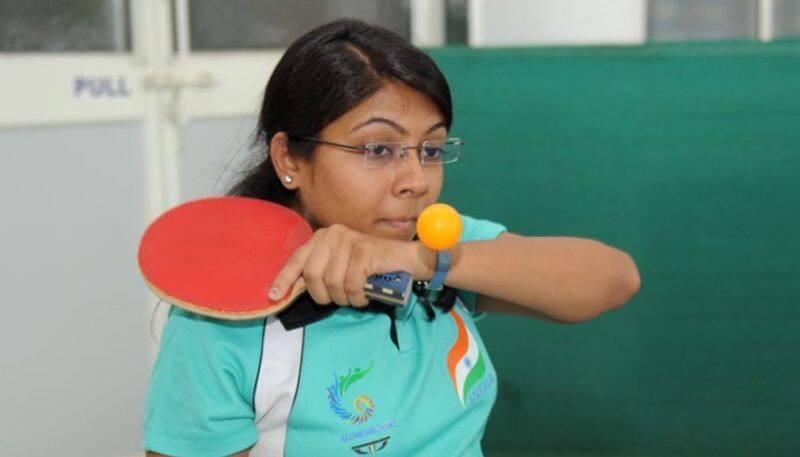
(430, 152)
(379, 150)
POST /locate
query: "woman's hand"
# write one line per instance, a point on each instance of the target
(337, 260)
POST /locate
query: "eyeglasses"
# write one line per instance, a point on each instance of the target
(381, 154)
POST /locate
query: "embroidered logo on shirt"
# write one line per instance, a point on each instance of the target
(362, 406)
(372, 447)
(466, 364)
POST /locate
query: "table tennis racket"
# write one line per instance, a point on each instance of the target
(219, 256)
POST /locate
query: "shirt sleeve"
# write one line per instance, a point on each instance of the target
(200, 397)
(476, 230)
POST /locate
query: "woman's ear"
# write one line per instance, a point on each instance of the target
(286, 165)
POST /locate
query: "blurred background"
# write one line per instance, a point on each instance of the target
(668, 128)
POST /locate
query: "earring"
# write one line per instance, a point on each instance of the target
(287, 179)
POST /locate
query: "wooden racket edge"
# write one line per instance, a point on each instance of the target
(298, 288)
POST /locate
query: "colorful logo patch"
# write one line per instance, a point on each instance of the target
(362, 406)
(465, 362)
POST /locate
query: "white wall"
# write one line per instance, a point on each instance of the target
(556, 22)
(74, 332)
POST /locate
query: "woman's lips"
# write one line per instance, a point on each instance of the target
(399, 224)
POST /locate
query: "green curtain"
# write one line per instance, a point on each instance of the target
(687, 156)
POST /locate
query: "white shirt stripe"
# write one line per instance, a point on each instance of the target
(276, 386)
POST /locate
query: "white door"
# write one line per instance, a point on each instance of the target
(110, 112)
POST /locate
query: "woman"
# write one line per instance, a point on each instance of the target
(355, 121)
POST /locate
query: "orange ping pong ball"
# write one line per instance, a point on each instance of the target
(439, 226)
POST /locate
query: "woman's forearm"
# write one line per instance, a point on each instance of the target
(567, 279)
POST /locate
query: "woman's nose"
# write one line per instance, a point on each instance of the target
(410, 177)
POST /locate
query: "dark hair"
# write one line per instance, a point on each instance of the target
(325, 73)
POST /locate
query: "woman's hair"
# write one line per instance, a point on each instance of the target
(325, 73)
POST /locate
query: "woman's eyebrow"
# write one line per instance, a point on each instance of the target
(381, 120)
(393, 125)
(438, 125)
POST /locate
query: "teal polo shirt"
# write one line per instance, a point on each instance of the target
(336, 387)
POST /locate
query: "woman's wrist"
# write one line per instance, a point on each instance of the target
(424, 262)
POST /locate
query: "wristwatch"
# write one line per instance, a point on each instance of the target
(442, 267)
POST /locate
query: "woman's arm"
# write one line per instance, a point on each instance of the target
(560, 279)
(555, 278)
(199, 400)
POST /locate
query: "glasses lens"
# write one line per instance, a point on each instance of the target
(378, 155)
(383, 154)
(438, 152)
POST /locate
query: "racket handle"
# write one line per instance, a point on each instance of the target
(393, 288)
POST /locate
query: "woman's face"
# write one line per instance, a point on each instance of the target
(335, 187)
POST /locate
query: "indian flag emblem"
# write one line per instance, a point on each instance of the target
(464, 361)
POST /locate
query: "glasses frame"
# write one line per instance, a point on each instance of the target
(365, 148)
